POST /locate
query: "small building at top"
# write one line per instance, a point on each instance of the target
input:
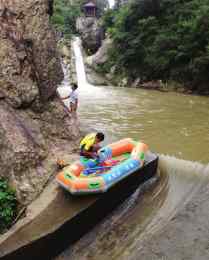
(90, 9)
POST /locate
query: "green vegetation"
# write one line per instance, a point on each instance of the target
(8, 205)
(161, 39)
(65, 15)
(108, 19)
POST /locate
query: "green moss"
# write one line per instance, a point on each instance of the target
(8, 205)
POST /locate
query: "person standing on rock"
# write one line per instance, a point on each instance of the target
(73, 98)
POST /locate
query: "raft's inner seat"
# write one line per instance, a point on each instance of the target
(106, 166)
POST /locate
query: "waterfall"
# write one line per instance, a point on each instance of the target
(80, 69)
(64, 89)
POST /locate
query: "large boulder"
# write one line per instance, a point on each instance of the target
(91, 32)
(94, 62)
(101, 56)
(32, 119)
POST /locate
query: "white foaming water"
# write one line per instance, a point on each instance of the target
(80, 69)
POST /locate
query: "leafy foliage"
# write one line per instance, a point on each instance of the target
(64, 16)
(108, 18)
(66, 12)
(8, 205)
(167, 39)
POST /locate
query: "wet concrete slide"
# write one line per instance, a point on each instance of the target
(57, 219)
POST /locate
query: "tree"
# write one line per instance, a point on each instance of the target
(167, 39)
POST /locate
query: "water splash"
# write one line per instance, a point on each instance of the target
(80, 68)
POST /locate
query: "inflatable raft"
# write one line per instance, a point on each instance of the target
(115, 162)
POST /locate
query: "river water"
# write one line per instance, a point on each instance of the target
(176, 126)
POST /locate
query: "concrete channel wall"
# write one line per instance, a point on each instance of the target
(64, 219)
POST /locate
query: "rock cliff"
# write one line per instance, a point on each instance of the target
(90, 29)
(32, 119)
(101, 56)
(91, 33)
